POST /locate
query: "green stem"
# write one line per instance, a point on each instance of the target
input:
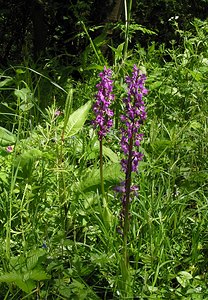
(101, 172)
(91, 42)
(127, 11)
(126, 280)
(127, 202)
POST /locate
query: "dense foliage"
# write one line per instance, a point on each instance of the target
(65, 231)
(53, 28)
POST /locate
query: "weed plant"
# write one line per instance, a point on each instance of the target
(56, 240)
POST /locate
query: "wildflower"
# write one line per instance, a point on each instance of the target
(103, 114)
(9, 149)
(57, 113)
(134, 116)
(132, 119)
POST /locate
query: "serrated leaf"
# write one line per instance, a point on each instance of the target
(77, 119)
(33, 258)
(10, 277)
(26, 286)
(37, 274)
(6, 137)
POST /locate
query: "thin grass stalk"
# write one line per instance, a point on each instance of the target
(127, 13)
(91, 43)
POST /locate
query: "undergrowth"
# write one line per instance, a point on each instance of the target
(56, 241)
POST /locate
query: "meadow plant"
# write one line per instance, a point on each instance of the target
(133, 117)
(103, 114)
(134, 114)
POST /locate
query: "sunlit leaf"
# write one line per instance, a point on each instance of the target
(77, 119)
(6, 137)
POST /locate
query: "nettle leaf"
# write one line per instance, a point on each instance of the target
(10, 277)
(37, 274)
(26, 286)
(34, 257)
(6, 137)
(77, 119)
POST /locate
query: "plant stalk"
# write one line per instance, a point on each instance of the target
(127, 12)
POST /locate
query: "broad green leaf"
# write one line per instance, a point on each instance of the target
(106, 152)
(33, 258)
(20, 71)
(26, 107)
(23, 93)
(10, 277)
(155, 85)
(77, 119)
(26, 286)
(112, 176)
(6, 137)
(37, 274)
(112, 155)
(65, 290)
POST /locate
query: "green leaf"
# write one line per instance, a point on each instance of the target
(5, 81)
(77, 119)
(37, 274)
(10, 277)
(23, 93)
(109, 153)
(6, 137)
(112, 176)
(33, 258)
(26, 286)
(28, 157)
(183, 278)
(4, 177)
(195, 125)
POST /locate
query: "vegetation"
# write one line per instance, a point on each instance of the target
(61, 235)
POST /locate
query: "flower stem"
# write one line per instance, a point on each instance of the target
(101, 172)
(127, 202)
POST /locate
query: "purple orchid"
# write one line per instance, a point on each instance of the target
(103, 114)
(132, 119)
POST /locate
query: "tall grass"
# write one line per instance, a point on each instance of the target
(54, 240)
